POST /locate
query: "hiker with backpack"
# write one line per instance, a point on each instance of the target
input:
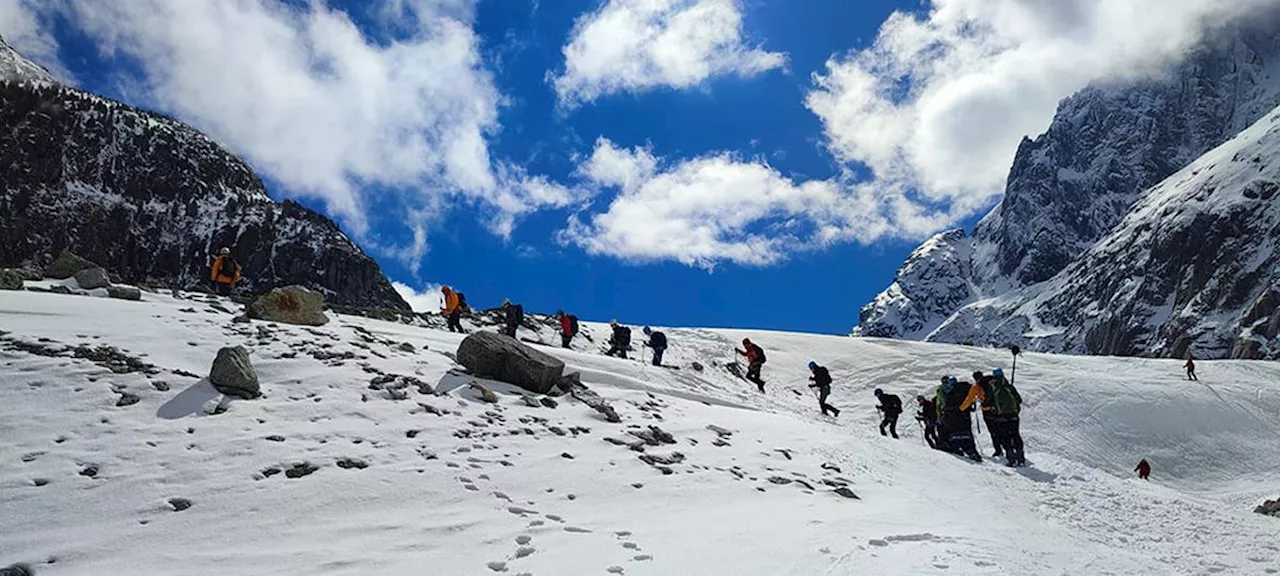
(513, 315)
(452, 311)
(1143, 469)
(1007, 404)
(927, 416)
(755, 361)
(620, 342)
(956, 428)
(822, 381)
(1191, 368)
(890, 407)
(568, 327)
(657, 342)
(981, 390)
(224, 273)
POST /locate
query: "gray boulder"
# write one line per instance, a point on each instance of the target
(91, 278)
(233, 375)
(290, 305)
(10, 280)
(66, 265)
(499, 357)
(1269, 508)
(124, 292)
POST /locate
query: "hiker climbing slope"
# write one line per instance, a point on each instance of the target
(513, 315)
(658, 342)
(1191, 368)
(620, 342)
(981, 391)
(890, 407)
(1007, 406)
(927, 416)
(755, 361)
(956, 428)
(225, 272)
(452, 310)
(568, 327)
(822, 381)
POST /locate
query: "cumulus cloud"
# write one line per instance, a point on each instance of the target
(698, 211)
(639, 45)
(428, 299)
(328, 111)
(938, 104)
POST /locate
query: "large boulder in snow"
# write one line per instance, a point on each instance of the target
(124, 292)
(233, 375)
(91, 278)
(10, 280)
(290, 305)
(1269, 508)
(500, 357)
(66, 265)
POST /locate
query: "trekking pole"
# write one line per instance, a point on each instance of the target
(1013, 372)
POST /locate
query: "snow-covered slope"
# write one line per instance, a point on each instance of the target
(1192, 269)
(1068, 188)
(15, 68)
(151, 199)
(444, 483)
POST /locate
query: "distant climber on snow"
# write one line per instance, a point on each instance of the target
(890, 407)
(658, 342)
(927, 416)
(822, 381)
(513, 315)
(620, 342)
(1191, 368)
(955, 430)
(1143, 469)
(755, 361)
(981, 390)
(452, 311)
(568, 327)
(225, 272)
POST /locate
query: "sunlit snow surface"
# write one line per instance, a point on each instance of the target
(512, 489)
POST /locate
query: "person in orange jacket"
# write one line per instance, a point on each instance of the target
(1143, 469)
(980, 391)
(452, 309)
(225, 272)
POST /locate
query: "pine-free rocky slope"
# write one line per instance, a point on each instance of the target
(1109, 147)
(151, 199)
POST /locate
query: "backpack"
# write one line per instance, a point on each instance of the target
(228, 268)
(892, 404)
(622, 335)
(1005, 398)
(955, 396)
(759, 353)
(462, 302)
(821, 376)
(573, 325)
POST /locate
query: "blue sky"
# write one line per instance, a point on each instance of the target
(743, 163)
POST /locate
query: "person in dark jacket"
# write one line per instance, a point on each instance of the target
(956, 429)
(927, 415)
(620, 342)
(1007, 404)
(755, 361)
(890, 406)
(568, 327)
(224, 273)
(658, 342)
(822, 381)
(1143, 469)
(513, 315)
(1191, 368)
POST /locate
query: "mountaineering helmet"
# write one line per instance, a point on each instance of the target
(945, 379)
(952, 380)
(746, 341)
(813, 365)
(647, 330)
(613, 322)
(998, 373)
(977, 375)
(224, 251)
(879, 391)
(506, 301)
(446, 289)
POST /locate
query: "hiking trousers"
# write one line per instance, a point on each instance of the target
(993, 428)
(565, 339)
(455, 320)
(890, 420)
(657, 356)
(823, 393)
(1011, 438)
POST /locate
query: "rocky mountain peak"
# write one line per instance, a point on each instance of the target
(14, 67)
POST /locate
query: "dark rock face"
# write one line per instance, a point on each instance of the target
(491, 355)
(151, 199)
(10, 280)
(66, 265)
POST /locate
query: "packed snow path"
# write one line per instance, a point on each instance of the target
(125, 461)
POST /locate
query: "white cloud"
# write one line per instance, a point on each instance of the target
(938, 105)
(639, 45)
(328, 111)
(699, 211)
(428, 299)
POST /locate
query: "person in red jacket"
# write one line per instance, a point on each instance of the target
(1143, 469)
(755, 361)
(1191, 368)
(568, 327)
